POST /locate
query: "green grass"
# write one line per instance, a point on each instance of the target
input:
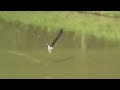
(99, 26)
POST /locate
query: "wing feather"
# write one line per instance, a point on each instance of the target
(57, 37)
(41, 39)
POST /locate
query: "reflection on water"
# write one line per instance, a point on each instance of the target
(64, 59)
(98, 63)
(24, 55)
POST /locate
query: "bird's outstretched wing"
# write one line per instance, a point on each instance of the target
(57, 37)
(41, 39)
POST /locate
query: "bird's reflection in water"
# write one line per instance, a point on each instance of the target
(59, 60)
(63, 59)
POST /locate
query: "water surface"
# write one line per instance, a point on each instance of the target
(62, 63)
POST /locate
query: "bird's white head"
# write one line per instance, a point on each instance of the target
(51, 48)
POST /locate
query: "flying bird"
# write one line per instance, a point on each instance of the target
(50, 47)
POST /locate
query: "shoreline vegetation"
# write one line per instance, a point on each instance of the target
(81, 29)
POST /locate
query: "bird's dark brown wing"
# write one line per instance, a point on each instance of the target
(57, 37)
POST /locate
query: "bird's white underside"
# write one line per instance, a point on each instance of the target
(49, 48)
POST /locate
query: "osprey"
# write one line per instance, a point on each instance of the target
(50, 47)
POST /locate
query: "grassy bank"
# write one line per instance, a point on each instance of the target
(99, 27)
(70, 21)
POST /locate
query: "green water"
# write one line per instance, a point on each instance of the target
(62, 63)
